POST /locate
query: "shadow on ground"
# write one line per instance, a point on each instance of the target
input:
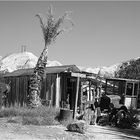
(127, 132)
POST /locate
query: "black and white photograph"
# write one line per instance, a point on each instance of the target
(70, 70)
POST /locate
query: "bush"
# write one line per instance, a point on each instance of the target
(36, 116)
(131, 121)
(8, 112)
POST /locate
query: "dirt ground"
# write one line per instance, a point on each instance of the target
(16, 131)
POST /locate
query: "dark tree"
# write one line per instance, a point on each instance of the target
(130, 70)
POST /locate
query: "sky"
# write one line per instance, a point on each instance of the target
(104, 32)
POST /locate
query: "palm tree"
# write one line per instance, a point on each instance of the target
(51, 28)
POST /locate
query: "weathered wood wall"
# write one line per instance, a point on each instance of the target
(49, 88)
(55, 88)
(19, 89)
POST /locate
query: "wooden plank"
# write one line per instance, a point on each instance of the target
(17, 90)
(49, 86)
(54, 89)
(21, 94)
(9, 94)
(20, 90)
(78, 75)
(13, 91)
(6, 81)
(60, 90)
(26, 89)
(81, 97)
(14, 95)
(64, 87)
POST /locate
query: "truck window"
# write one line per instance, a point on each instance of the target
(129, 89)
(135, 89)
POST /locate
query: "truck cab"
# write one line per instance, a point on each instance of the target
(123, 92)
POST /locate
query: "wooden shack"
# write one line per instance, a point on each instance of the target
(59, 85)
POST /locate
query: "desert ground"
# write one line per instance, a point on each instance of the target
(17, 131)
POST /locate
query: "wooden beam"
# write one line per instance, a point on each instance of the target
(76, 98)
(90, 90)
(78, 75)
(81, 98)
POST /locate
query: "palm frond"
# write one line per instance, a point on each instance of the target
(51, 27)
(42, 23)
(62, 19)
(60, 22)
(50, 10)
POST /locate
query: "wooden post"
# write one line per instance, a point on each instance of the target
(57, 99)
(81, 99)
(90, 90)
(76, 98)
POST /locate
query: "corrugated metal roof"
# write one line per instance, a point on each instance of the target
(54, 69)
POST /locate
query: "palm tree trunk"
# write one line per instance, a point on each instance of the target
(36, 79)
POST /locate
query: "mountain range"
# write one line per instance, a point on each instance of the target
(26, 60)
(22, 60)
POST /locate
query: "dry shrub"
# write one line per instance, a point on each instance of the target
(131, 121)
(8, 112)
(37, 116)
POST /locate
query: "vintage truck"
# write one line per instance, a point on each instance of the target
(123, 92)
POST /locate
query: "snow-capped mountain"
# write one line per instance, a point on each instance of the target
(26, 60)
(106, 71)
(103, 71)
(22, 60)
